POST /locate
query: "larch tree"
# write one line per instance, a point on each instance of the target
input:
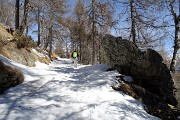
(80, 29)
(101, 15)
(39, 17)
(141, 19)
(55, 12)
(48, 17)
(150, 26)
(91, 19)
(105, 22)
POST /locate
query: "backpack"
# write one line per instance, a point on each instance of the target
(74, 55)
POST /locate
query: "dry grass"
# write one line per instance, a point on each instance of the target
(54, 56)
(4, 35)
(125, 88)
(9, 48)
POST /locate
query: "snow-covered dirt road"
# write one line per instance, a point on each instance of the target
(60, 92)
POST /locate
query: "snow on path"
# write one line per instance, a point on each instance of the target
(60, 92)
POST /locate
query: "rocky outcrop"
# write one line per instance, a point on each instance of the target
(154, 104)
(21, 56)
(177, 85)
(146, 67)
(9, 77)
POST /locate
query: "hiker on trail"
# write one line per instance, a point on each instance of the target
(68, 56)
(74, 57)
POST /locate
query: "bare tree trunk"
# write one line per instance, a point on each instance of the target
(50, 41)
(100, 49)
(1, 11)
(24, 20)
(176, 47)
(42, 34)
(17, 15)
(176, 39)
(133, 32)
(93, 32)
(51, 31)
(7, 18)
(80, 41)
(46, 41)
(83, 51)
(80, 50)
(39, 23)
(27, 28)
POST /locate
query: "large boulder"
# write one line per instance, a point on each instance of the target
(177, 85)
(9, 77)
(146, 67)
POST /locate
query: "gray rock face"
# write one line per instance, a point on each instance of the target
(145, 67)
(21, 56)
(177, 84)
